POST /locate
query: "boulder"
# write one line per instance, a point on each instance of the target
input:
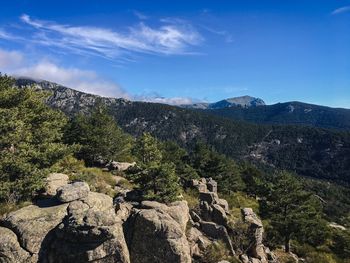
(10, 250)
(53, 182)
(210, 198)
(178, 210)
(120, 166)
(91, 232)
(71, 192)
(34, 225)
(212, 185)
(157, 233)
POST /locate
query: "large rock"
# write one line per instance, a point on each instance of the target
(91, 232)
(156, 233)
(71, 192)
(198, 242)
(256, 231)
(210, 198)
(34, 225)
(10, 250)
(178, 210)
(55, 181)
(120, 166)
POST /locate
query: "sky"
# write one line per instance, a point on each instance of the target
(181, 52)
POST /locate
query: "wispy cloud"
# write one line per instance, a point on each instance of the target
(341, 10)
(15, 63)
(140, 15)
(170, 38)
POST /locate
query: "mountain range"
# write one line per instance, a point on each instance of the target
(251, 132)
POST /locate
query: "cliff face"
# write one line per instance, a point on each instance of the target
(77, 225)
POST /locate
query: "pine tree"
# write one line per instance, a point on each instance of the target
(99, 137)
(30, 140)
(146, 150)
(156, 179)
(292, 211)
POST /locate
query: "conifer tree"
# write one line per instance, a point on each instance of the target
(30, 140)
(99, 137)
(293, 212)
(156, 179)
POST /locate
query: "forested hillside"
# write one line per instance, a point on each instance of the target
(296, 113)
(308, 151)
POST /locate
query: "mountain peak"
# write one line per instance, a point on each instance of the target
(242, 101)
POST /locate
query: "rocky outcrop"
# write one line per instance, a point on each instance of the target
(212, 219)
(257, 252)
(91, 232)
(77, 225)
(157, 233)
(80, 226)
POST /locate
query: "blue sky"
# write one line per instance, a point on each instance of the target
(183, 51)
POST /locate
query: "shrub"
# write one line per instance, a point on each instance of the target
(216, 252)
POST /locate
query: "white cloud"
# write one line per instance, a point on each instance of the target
(10, 59)
(82, 80)
(163, 100)
(170, 38)
(341, 10)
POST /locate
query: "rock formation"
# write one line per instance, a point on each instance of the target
(77, 225)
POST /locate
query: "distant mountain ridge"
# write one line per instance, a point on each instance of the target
(243, 102)
(287, 113)
(308, 151)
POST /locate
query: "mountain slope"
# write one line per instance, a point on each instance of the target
(308, 151)
(297, 113)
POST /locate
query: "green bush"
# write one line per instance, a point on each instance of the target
(216, 252)
(98, 180)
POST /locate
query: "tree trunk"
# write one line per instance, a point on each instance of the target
(287, 245)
